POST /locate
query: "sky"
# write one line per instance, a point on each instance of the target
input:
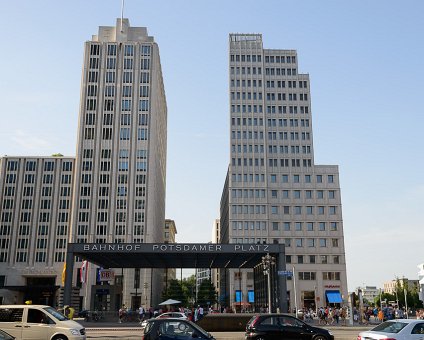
(365, 61)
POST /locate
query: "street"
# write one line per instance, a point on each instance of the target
(123, 333)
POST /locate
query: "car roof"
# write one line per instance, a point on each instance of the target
(21, 306)
(166, 319)
(406, 320)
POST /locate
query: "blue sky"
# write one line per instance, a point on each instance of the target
(365, 63)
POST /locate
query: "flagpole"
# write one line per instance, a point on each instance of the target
(86, 287)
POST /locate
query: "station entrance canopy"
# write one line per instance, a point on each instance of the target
(173, 255)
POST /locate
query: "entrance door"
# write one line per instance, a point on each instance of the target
(135, 302)
(40, 290)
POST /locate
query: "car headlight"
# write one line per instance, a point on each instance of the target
(75, 331)
(330, 332)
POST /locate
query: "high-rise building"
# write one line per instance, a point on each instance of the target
(35, 205)
(120, 170)
(274, 192)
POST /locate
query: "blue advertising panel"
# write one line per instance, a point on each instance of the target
(238, 295)
(250, 296)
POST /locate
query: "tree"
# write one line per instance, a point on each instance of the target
(175, 292)
(207, 294)
(189, 288)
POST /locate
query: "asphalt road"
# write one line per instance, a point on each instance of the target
(131, 333)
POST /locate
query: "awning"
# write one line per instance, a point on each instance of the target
(333, 296)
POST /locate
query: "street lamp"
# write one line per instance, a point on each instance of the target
(267, 262)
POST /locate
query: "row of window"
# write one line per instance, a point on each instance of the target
(13, 165)
(28, 191)
(127, 90)
(128, 64)
(82, 230)
(105, 178)
(128, 50)
(9, 203)
(238, 209)
(125, 118)
(121, 190)
(109, 105)
(272, 149)
(258, 58)
(283, 162)
(5, 230)
(311, 276)
(124, 134)
(286, 226)
(272, 135)
(271, 109)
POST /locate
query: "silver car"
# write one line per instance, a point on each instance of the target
(400, 329)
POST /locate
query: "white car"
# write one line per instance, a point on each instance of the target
(177, 315)
(400, 329)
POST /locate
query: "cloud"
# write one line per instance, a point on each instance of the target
(29, 141)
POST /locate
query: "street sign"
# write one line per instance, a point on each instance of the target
(285, 273)
(106, 275)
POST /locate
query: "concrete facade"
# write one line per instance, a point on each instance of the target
(274, 192)
(120, 173)
(35, 198)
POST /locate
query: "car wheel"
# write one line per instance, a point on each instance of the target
(260, 338)
(60, 337)
(320, 337)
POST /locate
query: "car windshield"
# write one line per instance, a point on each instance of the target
(59, 316)
(390, 327)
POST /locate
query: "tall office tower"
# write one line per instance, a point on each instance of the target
(35, 202)
(274, 191)
(120, 171)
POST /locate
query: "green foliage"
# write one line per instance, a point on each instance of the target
(207, 294)
(189, 289)
(185, 291)
(174, 291)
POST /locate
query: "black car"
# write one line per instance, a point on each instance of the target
(174, 329)
(5, 336)
(283, 326)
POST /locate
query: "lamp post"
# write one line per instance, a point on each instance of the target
(406, 302)
(267, 262)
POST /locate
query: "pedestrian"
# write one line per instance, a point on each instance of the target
(200, 313)
(141, 313)
(121, 313)
(380, 315)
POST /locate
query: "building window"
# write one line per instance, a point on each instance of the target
(323, 242)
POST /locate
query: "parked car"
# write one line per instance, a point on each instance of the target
(401, 329)
(283, 326)
(6, 336)
(177, 315)
(39, 322)
(173, 328)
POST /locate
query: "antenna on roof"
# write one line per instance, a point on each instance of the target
(122, 15)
